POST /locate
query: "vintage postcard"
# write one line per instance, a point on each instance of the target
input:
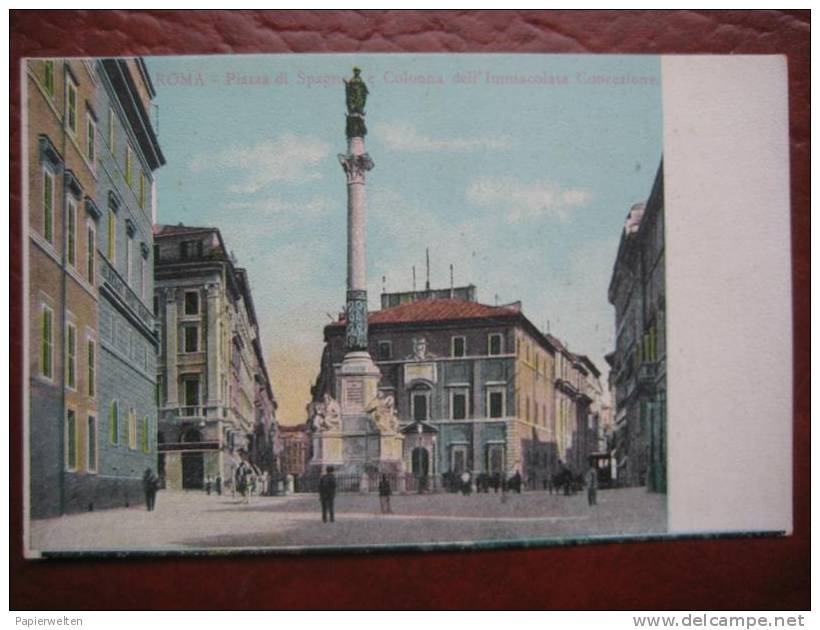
(311, 302)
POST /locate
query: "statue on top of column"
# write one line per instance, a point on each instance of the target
(356, 97)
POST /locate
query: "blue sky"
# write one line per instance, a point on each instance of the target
(523, 187)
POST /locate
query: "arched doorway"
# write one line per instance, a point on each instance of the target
(420, 461)
(193, 463)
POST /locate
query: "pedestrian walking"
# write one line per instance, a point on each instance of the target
(592, 485)
(466, 485)
(219, 485)
(384, 495)
(327, 494)
(208, 485)
(150, 483)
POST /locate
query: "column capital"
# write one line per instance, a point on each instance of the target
(355, 166)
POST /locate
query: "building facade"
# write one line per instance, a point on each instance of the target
(295, 449)
(216, 404)
(637, 291)
(129, 154)
(70, 175)
(473, 385)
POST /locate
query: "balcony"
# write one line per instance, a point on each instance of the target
(116, 285)
(191, 413)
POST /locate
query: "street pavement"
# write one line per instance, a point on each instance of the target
(192, 520)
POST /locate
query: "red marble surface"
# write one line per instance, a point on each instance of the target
(764, 573)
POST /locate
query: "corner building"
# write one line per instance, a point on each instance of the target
(637, 291)
(216, 404)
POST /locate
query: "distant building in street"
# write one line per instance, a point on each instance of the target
(216, 404)
(91, 151)
(637, 291)
(474, 385)
(295, 449)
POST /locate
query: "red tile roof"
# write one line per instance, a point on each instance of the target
(436, 310)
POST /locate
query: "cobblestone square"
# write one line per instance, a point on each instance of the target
(186, 521)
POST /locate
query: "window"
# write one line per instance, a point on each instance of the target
(128, 259)
(47, 342)
(458, 459)
(420, 405)
(142, 189)
(112, 119)
(48, 76)
(495, 343)
(143, 277)
(191, 339)
(191, 303)
(132, 429)
(92, 367)
(458, 402)
(111, 248)
(495, 458)
(71, 358)
(495, 402)
(91, 141)
(48, 205)
(91, 445)
(191, 393)
(385, 350)
(129, 165)
(71, 439)
(190, 249)
(159, 392)
(146, 442)
(114, 422)
(458, 346)
(71, 243)
(90, 258)
(71, 105)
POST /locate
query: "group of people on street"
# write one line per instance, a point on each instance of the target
(327, 489)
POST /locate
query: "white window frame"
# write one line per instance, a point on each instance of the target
(111, 243)
(67, 440)
(91, 367)
(495, 389)
(461, 448)
(132, 429)
(129, 262)
(490, 344)
(453, 346)
(70, 357)
(112, 137)
(143, 277)
(91, 463)
(421, 391)
(48, 226)
(50, 376)
(70, 86)
(91, 140)
(91, 253)
(185, 339)
(114, 438)
(71, 234)
(128, 170)
(185, 303)
(463, 391)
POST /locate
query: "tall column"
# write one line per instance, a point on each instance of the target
(356, 162)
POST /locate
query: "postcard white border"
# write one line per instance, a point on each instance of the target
(729, 302)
